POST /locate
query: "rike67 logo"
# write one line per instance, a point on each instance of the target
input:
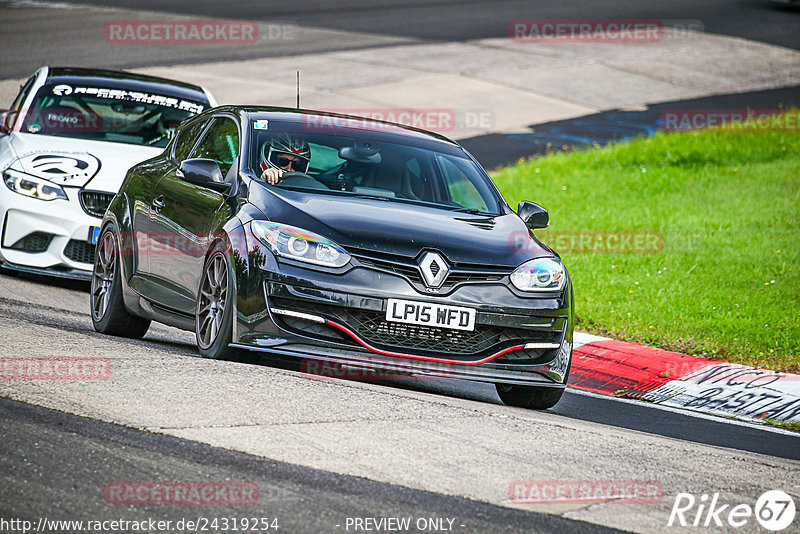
(774, 510)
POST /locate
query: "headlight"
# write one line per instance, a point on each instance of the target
(541, 274)
(298, 244)
(30, 186)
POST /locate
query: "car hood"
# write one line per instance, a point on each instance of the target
(405, 229)
(95, 165)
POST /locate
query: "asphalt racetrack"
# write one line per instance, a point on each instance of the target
(323, 451)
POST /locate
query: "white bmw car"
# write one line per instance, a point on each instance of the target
(65, 146)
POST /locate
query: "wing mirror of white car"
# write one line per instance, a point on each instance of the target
(6, 121)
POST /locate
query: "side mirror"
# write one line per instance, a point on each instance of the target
(6, 120)
(533, 215)
(203, 172)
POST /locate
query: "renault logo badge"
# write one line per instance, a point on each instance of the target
(434, 269)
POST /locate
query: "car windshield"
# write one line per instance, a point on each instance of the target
(374, 165)
(104, 114)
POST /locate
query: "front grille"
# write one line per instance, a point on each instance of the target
(95, 202)
(407, 267)
(427, 338)
(527, 356)
(408, 271)
(372, 327)
(34, 242)
(79, 251)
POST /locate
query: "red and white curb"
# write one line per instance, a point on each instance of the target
(605, 366)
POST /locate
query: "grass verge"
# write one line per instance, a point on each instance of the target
(686, 241)
(783, 424)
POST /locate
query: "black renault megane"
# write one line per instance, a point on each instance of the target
(334, 239)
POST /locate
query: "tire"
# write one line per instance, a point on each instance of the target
(213, 320)
(535, 398)
(109, 315)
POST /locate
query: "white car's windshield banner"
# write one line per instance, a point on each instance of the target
(131, 96)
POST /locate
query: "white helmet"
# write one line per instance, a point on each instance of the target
(280, 145)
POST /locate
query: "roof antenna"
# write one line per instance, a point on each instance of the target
(298, 89)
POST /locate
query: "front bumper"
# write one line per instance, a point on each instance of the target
(46, 237)
(340, 317)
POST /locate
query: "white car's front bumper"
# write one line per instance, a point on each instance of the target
(64, 223)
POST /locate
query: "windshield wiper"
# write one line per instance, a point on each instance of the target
(474, 211)
(371, 197)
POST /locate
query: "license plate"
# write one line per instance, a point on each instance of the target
(94, 234)
(429, 314)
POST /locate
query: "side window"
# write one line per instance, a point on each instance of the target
(462, 191)
(220, 143)
(323, 158)
(186, 139)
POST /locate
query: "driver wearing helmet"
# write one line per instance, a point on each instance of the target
(281, 154)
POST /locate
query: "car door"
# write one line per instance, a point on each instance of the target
(183, 217)
(141, 186)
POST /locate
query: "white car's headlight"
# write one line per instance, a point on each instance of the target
(31, 186)
(298, 244)
(541, 274)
